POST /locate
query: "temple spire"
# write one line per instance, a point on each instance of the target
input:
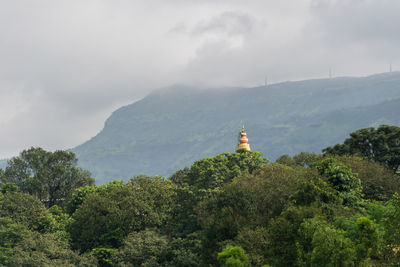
(243, 141)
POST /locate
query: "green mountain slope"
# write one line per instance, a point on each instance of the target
(171, 128)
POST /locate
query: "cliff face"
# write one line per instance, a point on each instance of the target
(171, 128)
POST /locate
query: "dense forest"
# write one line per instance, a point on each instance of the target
(338, 208)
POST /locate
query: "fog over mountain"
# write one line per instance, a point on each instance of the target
(66, 65)
(171, 128)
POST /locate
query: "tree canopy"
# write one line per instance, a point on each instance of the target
(234, 209)
(381, 145)
(50, 176)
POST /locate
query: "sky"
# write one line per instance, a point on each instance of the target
(65, 65)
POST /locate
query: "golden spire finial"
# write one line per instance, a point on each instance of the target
(243, 141)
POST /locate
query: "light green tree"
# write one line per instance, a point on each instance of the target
(233, 256)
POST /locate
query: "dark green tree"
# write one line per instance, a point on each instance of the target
(203, 180)
(144, 248)
(105, 218)
(11, 234)
(378, 182)
(27, 210)
(255, 242)
(331, 247)
(342, 179)
(46, 250)
(381, 144)
(82, 193)
(50, 176)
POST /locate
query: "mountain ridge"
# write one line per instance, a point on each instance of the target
(169, 129)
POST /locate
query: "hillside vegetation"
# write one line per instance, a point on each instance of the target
(171, 128)
(340, 208)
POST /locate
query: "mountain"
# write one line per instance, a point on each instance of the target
(171, 128)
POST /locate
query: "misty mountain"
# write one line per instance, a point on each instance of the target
(171, 128)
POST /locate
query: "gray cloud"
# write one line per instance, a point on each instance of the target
(231, 23)
(66, 65)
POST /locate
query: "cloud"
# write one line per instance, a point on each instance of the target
(66, 65)
(230, 23)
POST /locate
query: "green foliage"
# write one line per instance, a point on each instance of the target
(183, 252)
(283, 233)
(286, 160)
(82, 193)
(381, 144)
(303, 159)
(26, 210)
(331, 248)
(306, 159)
(60, 223)
(144, 248)
(8, 187)
(342, 179)
(308, 211)
(222, 217)
(105, 218)
(204, 180)
(368, 238)
(104, 256)
(378, 182)
(50, 176)
(46, 250)
(214, 172)
(270, 187)
(233, 257)
(255, 243)
(321, 244)
(11, 234)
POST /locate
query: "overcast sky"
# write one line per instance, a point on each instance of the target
(65, 65)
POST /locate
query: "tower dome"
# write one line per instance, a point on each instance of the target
(243, 141)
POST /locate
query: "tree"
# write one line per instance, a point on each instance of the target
(381, 144)
(321, 244)
(233, 256)
(255, 242)
(342, 179)
(104, 256)
(391, 221)
(303, 159)
(50, 176)
(378, 182)
(223, 216)
(210, 173)
(283, 233)
(144, 248)
(203, 180)
(82, 193)
(306, 159)
(331, 248)
(11, 234)
(286, 160)
(27, 210)
(104, 219)
(46, 250)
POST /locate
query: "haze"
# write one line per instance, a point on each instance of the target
(66, 65)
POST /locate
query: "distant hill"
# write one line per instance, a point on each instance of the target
(171, 128)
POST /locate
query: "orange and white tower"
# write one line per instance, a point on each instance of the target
(243, 141)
